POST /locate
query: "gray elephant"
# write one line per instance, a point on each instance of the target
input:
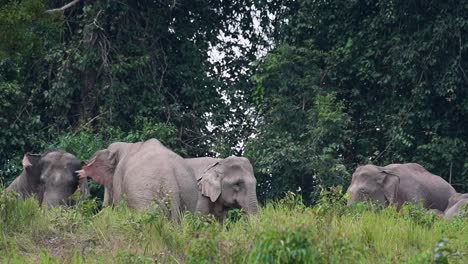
(144, 172)
(456, 203)
(224, 184)
(49, 177)
(399, 183)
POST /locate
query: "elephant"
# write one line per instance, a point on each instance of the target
(399, 183)
(49, 177)
(455, 205)
(207, 172)
(224, 184)
(144, 172)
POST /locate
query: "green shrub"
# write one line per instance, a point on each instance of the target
(20, 214)
(292, 201)
(146, 128)
(285, 231)
(442, 252)
(204, 247)
(284, 245)
(331, 200)
(418, 214)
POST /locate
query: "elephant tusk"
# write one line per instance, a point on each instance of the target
(81, 174)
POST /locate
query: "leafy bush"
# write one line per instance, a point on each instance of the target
(292, 201)
(442, 252)
(20, 214)
(285, 231)
(204, 248)
(284, 245)
(418, 214)
(331, 200)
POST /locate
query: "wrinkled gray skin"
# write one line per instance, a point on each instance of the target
(50, 178)
(144, 172)
(224, 184)
(399, 183)
(455, 204)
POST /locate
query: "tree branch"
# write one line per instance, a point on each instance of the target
(61, 9)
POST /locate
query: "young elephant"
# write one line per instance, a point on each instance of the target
(455, 205)
(224, 184)
(49, 177)
(399, 183)
(144, 172)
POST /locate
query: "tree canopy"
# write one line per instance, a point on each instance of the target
(308, 90)
(357, 82)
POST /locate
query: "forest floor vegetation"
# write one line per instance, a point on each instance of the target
(284, 231)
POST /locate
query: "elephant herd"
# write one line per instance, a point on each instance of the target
(147, 172)
(143, 173)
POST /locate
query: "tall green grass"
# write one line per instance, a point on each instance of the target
(284, 231)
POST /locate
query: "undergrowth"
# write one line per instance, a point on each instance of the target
(284, 231)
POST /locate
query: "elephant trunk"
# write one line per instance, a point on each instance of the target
(353, 198)
(52, 199)
(84, 189)
(252, 205)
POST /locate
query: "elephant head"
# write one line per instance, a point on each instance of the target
(456, 198)
(102, 165)
(230, 183)
(458, 205)
(100, 168)
(372, 183)
(50, 177)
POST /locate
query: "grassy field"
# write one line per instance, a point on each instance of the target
(284, 231)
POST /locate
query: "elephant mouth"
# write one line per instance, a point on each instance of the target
(233, 205)
(248, 210)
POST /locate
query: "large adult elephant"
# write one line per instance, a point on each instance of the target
(455, 205)
(400, 183)
(224, 184)
(144, 172)
(49, 177)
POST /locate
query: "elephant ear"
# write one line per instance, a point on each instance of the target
(30, 164)
(210, 183)
(30, 160)
(391, 183)
(100, 168)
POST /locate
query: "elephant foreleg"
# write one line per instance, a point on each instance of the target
(107, 199)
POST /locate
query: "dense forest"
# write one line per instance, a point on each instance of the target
(307, 90)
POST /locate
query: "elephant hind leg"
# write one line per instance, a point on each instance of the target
(169, 204)
(107, 200)
(164, 193)
(169, 196)
(175, 210)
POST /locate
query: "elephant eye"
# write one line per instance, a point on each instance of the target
(42, 178)
(236, 187)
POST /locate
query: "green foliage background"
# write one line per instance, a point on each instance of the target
(358, 82)
(307, 90)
